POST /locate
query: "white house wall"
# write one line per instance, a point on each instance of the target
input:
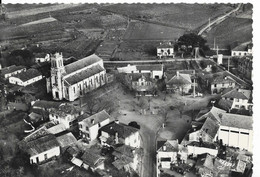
(133, 140)
(50, 153)
(195, 150)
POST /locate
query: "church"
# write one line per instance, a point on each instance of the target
(75, 79)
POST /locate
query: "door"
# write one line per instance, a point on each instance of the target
(57, 94)
(37, 159)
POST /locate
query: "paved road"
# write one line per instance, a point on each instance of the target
(219, 19)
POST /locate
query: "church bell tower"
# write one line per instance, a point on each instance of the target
(57, 71)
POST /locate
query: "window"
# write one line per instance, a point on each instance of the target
(97, 78)
(224, 130)
(215, 85)
(236, 106)
(87, 128)
(80, 125)
(223, 84)
(99, 124)
(74, 89)
(232, 131)
(45, 157)
(239, 54)
(244, 133)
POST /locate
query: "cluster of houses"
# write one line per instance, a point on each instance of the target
(54, 137)
(214, 132)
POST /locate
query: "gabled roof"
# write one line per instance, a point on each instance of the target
(225, 104)
(124, 150)
(92, 159)
(41, 144)
(170, 146)
(123, 130)
(84, 62)
(213, 113)
(237, 121)
(210, 127)
(11, 69)
(202, 144)
(65, 109)
(243, 47)
(181, 79)
(66, 140)
(151, 67)
(222, 79)
(137, 76)
(235, 94)
(46, 104)
(165, 45)
(94, 119)
(205, 160)
(27, 75)
(73, 79)
(56, 129)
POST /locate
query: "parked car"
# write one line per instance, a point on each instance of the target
(178, 169)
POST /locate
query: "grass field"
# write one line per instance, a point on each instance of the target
(189, 16)
(148, 31)
(230, 31)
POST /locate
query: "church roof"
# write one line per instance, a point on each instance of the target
(89, 60)
(84, 74)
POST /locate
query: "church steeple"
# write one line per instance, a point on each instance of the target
(57, 71)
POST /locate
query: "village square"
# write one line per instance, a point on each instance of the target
(120, 90)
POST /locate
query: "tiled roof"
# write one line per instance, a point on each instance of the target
(98, 117)
(136, 76)
(237, 121)
(205, 160)
(213, 113)
(154, 67)
(73, 79)
(222, 79)
(90, 158)
(202, 144)
(170, 145)
(65, 109)
(165, 45)
(66, 140)
(210, 127)
(84, 62)
(234, 94)
(27, 75)
(41, 144)
(11, 69)
(182, 79)
(123, 130)
(46, 104)
(124, 150)
(225, 104)
(243, 47)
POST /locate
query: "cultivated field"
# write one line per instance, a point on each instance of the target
(148, 31)
(230, 31)
(188, 16)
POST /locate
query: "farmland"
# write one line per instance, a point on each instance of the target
(171, 14)
(229, 31)
(148, 31)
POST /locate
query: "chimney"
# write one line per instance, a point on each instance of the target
(92, 121)
(116, 137)
(177, 73)
(164, 147)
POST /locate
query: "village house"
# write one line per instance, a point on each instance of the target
(11, 70)
(67, 140)
(156, 70)
(219, 83)
(90, 125)
(65, 114)
(236, 99)
(41, 57)
(142, 83)
(241, 50)
(127, 158)
(92, 161)
(205, 165)
(26, 78)
(245, 67)
(118, 133)
(232, 129)
(179, 83)
(74, 80)
(165, 49)
(197, 148)
(236, 131)
(42, 149)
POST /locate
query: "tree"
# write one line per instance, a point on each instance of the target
(192, 40)
(134, 124)
(20, 57)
